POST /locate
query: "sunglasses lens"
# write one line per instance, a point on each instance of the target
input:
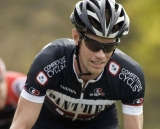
(95, 46)
(109, 47)
(92, 45)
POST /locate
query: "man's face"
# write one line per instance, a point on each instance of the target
(91, 61)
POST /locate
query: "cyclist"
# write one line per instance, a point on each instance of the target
(11, 84)
(74, 84)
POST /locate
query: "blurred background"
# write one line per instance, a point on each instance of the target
(26, 26)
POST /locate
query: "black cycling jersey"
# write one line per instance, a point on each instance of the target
(67, 102)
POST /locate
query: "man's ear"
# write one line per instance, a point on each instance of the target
(75, 36)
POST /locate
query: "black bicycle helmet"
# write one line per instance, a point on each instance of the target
(115, 26)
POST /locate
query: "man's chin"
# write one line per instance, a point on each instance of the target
(96, 72)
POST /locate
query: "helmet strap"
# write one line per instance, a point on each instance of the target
(78, 63)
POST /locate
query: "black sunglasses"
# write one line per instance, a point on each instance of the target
(95, 46)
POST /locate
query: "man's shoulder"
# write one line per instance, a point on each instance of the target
(66, 42)
(121, 62)
(124, 59)
(57, 48)
(54, 55)
(58, 45)
(127, 72)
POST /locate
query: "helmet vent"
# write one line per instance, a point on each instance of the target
(95, 23)
(116, 7)
(107, 14)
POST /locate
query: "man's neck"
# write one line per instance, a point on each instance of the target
(85, 78)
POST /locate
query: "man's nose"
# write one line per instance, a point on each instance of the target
(100, 54)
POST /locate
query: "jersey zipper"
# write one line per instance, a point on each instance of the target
(80, 102)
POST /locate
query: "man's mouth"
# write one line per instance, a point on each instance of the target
(96, 62)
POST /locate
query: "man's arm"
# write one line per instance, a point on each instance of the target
(26, 114)
(133, 121)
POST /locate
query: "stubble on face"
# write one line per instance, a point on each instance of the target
(92, 62)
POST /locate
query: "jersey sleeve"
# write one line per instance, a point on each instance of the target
(37, 79)
(45, 70)
(132, 89)
(129, 78)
